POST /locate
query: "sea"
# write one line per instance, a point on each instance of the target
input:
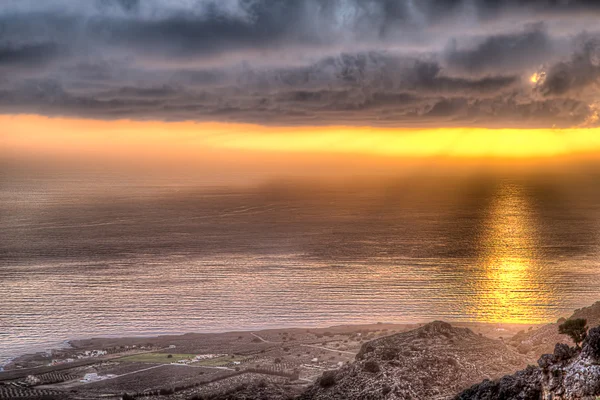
(79, 258)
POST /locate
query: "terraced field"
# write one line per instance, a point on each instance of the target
(14, 392)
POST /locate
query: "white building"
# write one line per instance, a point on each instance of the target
(91, 377)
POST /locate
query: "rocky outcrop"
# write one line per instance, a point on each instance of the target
(435, 361)
(566, 374)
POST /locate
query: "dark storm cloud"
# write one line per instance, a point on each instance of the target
(126, 5)
(28, 55)
(367, 62)
(578, 74)
(512, 52)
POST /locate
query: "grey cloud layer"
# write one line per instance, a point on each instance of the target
(363, 62)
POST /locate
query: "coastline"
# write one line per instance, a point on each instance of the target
(40, 357)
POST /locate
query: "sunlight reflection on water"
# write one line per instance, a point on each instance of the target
(511, 285)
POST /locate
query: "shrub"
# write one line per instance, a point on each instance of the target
(327, 379)
(575, 328)
(386, 389)
(170, 356)
(372, 366)
(127, 396)
(389, 353)
(524, 348)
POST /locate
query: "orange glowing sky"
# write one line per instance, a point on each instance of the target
(25, 134)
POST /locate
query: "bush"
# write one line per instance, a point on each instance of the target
(389, 353)
(525, 348)
(386, 389)
(327, 379)
(575, 328)
(372, 366)
(170, 356)
(127, 396)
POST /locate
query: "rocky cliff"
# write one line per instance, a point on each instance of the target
(566, 374)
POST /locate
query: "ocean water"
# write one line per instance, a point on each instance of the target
(79, 259)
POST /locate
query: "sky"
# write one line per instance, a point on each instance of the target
(400, 78)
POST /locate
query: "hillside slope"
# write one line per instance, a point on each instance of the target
(435, 361)
(540, 341)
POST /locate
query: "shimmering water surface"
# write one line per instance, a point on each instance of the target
(85, 260)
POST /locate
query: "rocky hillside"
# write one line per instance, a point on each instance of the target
(257, 391)
(435, 361)
(542, 340)
(566, 374)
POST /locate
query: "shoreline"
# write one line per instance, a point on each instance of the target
(489, 329)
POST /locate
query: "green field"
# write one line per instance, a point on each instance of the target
(162, 358)
(156, 358)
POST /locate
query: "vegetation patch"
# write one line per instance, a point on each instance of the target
(157, 358)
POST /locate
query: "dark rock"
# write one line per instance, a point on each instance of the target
(546, 360)
(562, 352)
(524, 385)
(591, 344)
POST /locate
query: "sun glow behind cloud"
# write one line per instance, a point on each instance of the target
(25, 134)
